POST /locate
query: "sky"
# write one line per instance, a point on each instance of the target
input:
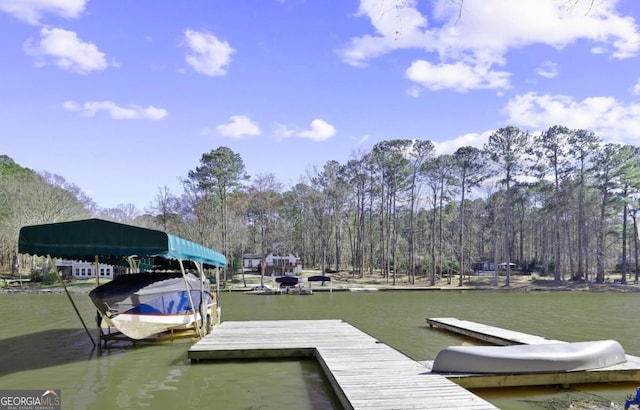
(122, 98)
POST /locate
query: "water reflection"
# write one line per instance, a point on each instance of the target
(44, 349)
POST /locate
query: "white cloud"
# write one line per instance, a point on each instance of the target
(548, 69)
(207, 131)
(320, 131)
(239, 127)
(66, 51)
(636, 88)
(207, 55)
(397, 24)
(606, 116)
(282, 130)
(499, 25)
(459, 76)
(482, 36)
(362, 140)
(32, 11)
(132, 112)
(476, 140)
(414, 91)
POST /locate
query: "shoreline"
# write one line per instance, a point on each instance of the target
(342, 282)
(518, 283)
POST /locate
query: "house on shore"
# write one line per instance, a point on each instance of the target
(276, 264)
(281, 264)
(251, 261)
(87, 270)
(483, 266)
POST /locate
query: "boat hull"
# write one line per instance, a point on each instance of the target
(138, 326)
(539, 358)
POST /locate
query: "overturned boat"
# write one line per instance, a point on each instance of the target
(536, 358)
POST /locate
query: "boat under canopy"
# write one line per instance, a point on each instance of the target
(292, 285)
(536, 358)
(141, 297)
(144, 304)
(288, 280)
(320, 278)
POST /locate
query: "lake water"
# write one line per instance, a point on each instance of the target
(43, 346)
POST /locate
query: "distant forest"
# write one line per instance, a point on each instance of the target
(561, 203)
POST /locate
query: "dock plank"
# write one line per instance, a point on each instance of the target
(364, 373)
(486, 333)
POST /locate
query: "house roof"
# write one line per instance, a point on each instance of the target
(88, 238)
(281, 255)
(252, 256)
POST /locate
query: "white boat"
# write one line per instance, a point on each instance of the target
(262, 290)
(141, 305)
(536, 358)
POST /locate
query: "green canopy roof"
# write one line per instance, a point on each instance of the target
(86, 239)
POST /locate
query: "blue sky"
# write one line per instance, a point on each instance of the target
(123, 97)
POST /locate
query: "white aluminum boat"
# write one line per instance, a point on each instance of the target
(537, 358)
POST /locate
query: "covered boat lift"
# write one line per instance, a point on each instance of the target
(321, 278)
(105, 241)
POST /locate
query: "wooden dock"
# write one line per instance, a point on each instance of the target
(486, 333)
(624, 372)
(364, 372)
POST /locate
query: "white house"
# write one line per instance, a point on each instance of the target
(275, 263)
(251, 261)
(283, 264)
(86, 270)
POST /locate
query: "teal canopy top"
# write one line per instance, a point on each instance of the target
(88, 238)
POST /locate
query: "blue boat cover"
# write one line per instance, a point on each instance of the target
(319, 278)
(289, 280)
(147, 293)
(88, 238)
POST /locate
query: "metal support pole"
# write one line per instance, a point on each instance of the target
(193, 309)
(97, 265)
(218, 308)
(203, 306)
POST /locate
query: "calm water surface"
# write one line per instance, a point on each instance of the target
(43, 346)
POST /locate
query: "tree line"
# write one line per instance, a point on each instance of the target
(561, 202)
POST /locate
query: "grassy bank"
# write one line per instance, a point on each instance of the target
(346, 281)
